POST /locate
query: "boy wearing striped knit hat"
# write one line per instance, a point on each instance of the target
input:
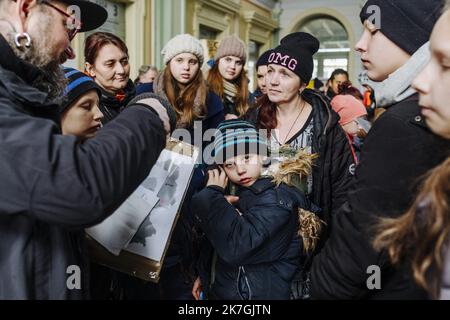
(80, 113)
(261, 239)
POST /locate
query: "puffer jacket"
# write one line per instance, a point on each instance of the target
(258, 252)
(52, 187)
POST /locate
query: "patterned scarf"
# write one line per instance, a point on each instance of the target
(229, 90)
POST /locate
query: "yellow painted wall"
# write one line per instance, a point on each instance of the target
(137, 35)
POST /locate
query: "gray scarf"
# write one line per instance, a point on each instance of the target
(397, 87)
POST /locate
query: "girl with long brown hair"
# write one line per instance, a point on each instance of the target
(421, 236)
(228, 78)
(181, 82)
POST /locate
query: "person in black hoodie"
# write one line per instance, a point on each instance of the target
(107, 62)
(53, 186)
(398, 151)
(258, 244)
(301, 119)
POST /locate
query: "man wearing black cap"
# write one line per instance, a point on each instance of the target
(51, 186)
(398, 151)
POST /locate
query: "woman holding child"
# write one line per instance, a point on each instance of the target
(301, 119)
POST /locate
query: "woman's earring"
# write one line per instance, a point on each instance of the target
(19, 36)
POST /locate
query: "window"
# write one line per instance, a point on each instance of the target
(334, 45)
(208, 33)
(254, 51)
(329, 65)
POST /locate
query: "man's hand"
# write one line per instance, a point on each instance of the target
(217, 178)
(162, 112)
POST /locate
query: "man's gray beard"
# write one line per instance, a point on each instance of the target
(51, 79)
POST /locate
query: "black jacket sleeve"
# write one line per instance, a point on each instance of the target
(396, 153)
(342, 168)
(57, 180)
(242, 239)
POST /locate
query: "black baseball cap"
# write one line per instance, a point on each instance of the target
(92, 14)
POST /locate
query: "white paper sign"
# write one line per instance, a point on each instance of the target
(116, 232)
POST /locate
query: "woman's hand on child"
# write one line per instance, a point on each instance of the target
(197, 289)
(217, 178)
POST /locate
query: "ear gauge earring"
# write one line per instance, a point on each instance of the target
(19, 36)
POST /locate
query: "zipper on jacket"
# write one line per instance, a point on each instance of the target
(242, 270)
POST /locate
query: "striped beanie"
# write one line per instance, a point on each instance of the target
(237, 137)
(78, 84)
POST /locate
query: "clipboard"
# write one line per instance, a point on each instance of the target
(136, 259)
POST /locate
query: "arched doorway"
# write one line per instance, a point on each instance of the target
(334, 44)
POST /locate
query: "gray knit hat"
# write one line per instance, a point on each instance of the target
(183, 43)
(231, 46)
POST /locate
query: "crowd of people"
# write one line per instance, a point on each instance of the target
(309, 187)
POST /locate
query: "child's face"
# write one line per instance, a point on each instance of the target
(433, 82)
(243, 170)
(379, 55)
(184, 68)
(230, 67)
(82, 118)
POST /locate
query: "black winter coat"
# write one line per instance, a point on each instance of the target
(258, 252)
(398, 151)
(332, 172)
(111, 106)
(52, 187)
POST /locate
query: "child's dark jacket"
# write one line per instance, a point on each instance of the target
(258, 252)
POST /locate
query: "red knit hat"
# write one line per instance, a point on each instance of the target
(348, 107)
